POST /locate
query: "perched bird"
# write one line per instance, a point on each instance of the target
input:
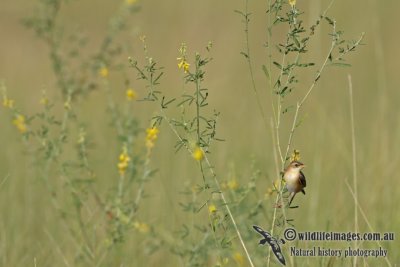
(295, 179)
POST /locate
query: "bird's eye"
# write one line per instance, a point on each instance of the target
(296, 165)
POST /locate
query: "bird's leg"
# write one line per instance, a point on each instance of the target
(291, 197)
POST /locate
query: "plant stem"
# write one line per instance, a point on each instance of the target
(353, 146)
(292, 131)
(218, 188)
(249, 62)
(229, 213)
(371, 229)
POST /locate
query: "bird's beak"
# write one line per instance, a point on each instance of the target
(303, 166)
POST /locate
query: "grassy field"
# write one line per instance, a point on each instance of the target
(89, 178)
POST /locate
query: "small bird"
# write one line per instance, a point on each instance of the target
(295, 179)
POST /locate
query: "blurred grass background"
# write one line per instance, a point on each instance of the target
(27, 222)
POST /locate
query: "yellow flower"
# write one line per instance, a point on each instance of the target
(277, 184)
(103, 72)
(67, 105)
(8, 103)
(141, 227)
(123, 162)
(151, 137)
(295, 155)
(238, 257)
(82, 136)
(233, 185)
(152, 133)
(198, 154)
(224, 262)
(186, 67)
(212, 209)
(149, 144)
(130, 2)
(19, 122)
(183, 64)
(130, 94)
(269, 192)
(292, 2)
(44, 101)
(123, 218)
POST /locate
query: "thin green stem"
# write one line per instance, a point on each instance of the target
(279, 105)
(353, 146)
(197, 103)
(293, 128)
(249, 62)
(113, 108)
(229, 212)
(371, 229)
(310, 89)
(140, 191)
(120, 187)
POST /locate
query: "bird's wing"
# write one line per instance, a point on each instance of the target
(303, 179)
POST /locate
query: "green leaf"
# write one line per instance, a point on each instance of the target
(330, 21)
(264, 68)
(158, 77)
(239, 12)
(277, 65)
(340, 64)
(244, 54)
(305, 65)
(296, 41)
(287, 109)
